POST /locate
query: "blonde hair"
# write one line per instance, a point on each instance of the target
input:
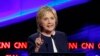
(40, 14)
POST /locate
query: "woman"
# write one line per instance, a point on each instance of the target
(47, 40)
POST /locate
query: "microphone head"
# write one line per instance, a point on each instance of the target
(52, 36)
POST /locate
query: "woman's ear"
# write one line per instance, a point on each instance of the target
(40, 24)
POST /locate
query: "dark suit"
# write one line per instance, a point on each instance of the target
(60, 41)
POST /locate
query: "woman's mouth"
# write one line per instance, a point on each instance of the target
(49, 26)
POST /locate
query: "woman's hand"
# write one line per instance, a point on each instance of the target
(38, 41)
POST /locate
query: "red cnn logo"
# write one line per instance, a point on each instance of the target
(20, 45)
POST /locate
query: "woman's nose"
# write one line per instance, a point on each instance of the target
(49, 21)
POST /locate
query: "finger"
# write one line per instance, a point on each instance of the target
(38, 40)
(40, 36)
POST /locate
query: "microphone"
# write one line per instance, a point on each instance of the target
(52, 36)
(53, 43)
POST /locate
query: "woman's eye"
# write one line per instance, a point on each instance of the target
(52, 18)
(45, 19)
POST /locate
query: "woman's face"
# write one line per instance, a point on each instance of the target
(48, 21)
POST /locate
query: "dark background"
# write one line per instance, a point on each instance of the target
(70, 21)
